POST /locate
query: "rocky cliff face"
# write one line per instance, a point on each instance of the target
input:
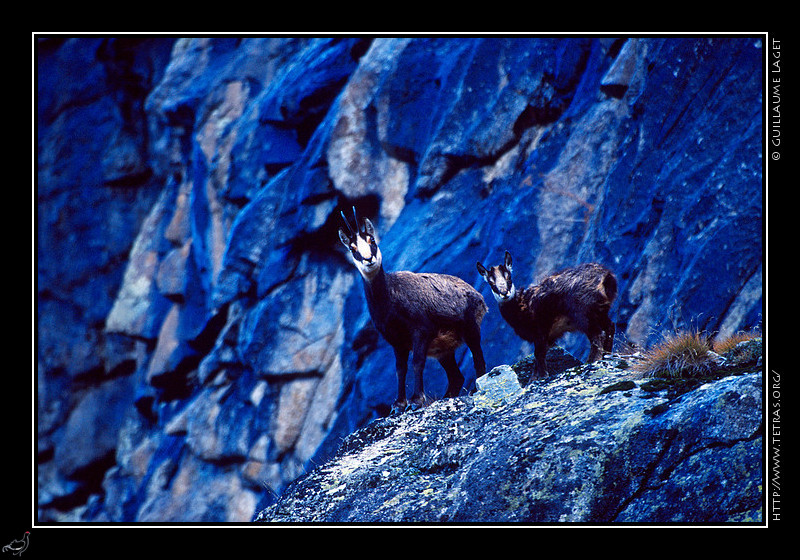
(202, 340)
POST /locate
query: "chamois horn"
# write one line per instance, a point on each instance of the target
(347, 223)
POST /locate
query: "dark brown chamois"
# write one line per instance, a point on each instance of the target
(575, 299)
(423, 314)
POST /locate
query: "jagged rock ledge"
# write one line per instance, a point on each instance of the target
(592, 444)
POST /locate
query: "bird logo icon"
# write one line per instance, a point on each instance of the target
(17, 547)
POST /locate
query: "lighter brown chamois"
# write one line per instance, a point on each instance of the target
(575, 299)
(420, 313)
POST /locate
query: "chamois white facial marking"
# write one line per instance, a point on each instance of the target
(367, 258)
(502, 288)
(363, 248)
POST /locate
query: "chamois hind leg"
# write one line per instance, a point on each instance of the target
(401, 366)
(455, 379)
(596, 340)
(610, 330)
(472, 338)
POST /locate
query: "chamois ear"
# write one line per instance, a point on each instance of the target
(370, 229)
(344, 239)
(508, 261)
(482, 270)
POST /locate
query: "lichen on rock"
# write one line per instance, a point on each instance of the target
(589, 445)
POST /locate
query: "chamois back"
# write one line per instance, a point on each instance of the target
(585, 286)
(440, 297)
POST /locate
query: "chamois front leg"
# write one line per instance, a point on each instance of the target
(419, 355)
(540, 347)
(401, 366)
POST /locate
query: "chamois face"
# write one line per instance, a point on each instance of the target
(363, 248)
(499, 280)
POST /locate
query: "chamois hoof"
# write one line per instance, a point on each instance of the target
(407, 406)
(399, 407)
(535, 377)
(418, 402)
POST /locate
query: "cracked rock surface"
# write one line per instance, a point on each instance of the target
(591, 444)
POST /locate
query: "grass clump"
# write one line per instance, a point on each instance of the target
(692, 355)
(685, 354)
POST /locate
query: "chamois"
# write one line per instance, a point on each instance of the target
(422, 313)
(575, 299)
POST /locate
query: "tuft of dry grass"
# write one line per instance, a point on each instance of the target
(725, 345)
(740, 349)
(692, 354)
(685, 354)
